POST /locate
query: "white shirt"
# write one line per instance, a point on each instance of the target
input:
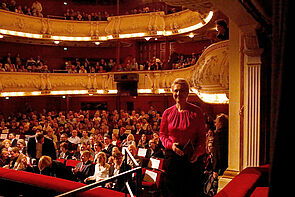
(38, 150)
(101, 172)
(74, 140)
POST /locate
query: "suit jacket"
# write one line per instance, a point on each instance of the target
(48, 148)
(158, 153)
(14, 142)
(85, 171)
(108, 151)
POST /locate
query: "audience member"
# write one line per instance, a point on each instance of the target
(143, 143)
(108, 145)
(74, 139)
(133, 150)
(54, 168)
(39, 145)
(4, 157)
(12, 139)
(117, 168)
(220, 145)
(18, 161)
(85, 168)
(21, 144)
(64, 151)
(128, 141)
(101, 169)
(222, 30)
(154, 150)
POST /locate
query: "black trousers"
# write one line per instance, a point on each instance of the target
(182, 178)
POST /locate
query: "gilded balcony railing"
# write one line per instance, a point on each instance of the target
(209, 76)
(116, 27)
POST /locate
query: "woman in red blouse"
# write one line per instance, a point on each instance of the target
(183, 134)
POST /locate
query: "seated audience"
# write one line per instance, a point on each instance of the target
(85, 168)
(4, 157)
(12, 139)
(18, 161)
(21, 144)
(64, 151)
(48, 166)
(133, 150)
(143, 143)
(108, 145)
(117, 168)
(154, 150)
(129, 140)
(101, 169)
(74, 139)
(98, 147)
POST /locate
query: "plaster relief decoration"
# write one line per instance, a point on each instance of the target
(19, 23)
(211, 73)
(69, 28)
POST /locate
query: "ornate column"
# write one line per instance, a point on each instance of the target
(251, 115)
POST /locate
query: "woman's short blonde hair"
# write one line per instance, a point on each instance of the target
(131, 136)
(104, 156)
(182, 82)
(45, 161)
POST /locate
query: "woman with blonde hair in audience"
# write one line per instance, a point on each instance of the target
(128, 141)
(6, 143)
(115, 150)
(101, 169)
(18, 161)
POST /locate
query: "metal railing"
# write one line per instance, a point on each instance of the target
(124, 175)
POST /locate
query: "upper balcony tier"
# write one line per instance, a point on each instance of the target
(208, 78)
(116, 27)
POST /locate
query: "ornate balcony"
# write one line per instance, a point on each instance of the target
(116, 27)
(208, 78)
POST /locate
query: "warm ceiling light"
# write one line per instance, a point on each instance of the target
(56, 42)
(97, 43)
(144, 91)
(220, 98)
(132, 35)
(147, 38)
(1, 36)
(191, 35)
(112, 91)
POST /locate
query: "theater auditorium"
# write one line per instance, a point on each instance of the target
(160, 98)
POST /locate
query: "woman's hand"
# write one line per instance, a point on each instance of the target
(177, 150)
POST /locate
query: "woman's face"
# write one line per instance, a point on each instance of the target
(180, 93)
(143, 137)
(101, 159)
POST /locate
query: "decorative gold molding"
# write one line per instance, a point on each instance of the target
(207, 79)
(211, 74)
(125, 26)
